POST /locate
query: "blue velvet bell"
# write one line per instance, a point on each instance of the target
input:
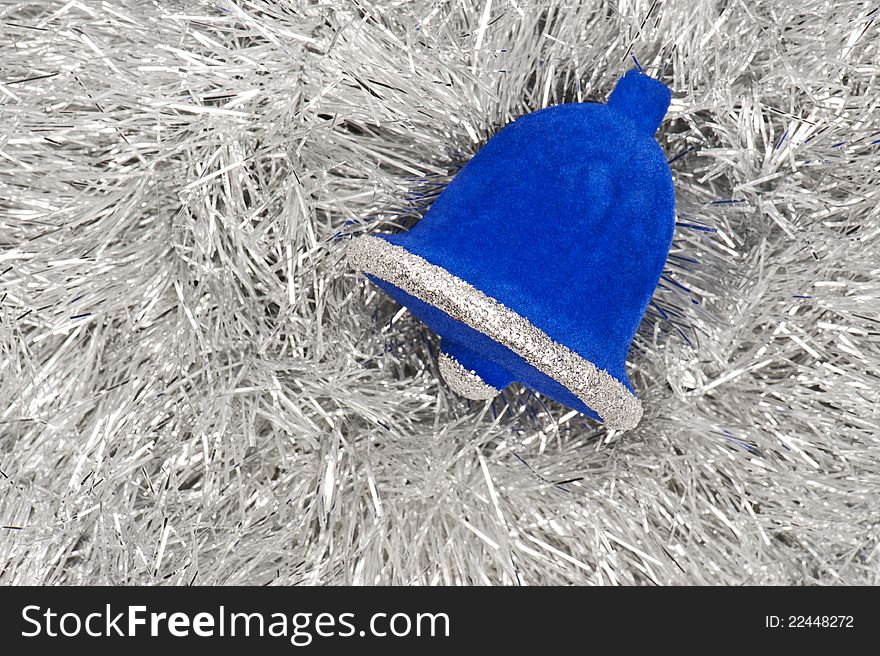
(538, 261)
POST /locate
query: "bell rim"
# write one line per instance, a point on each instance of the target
(607, 396)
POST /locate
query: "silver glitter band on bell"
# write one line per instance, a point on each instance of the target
(610, 399)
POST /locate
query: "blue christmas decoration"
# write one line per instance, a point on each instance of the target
(538, 261)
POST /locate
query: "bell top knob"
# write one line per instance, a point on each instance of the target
(642, 99)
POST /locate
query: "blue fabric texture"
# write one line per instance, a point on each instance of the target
(566, 217)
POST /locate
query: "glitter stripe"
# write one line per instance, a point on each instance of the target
(464, 382)
(598, 389)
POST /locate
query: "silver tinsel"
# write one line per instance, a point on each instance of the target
(195, 386)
